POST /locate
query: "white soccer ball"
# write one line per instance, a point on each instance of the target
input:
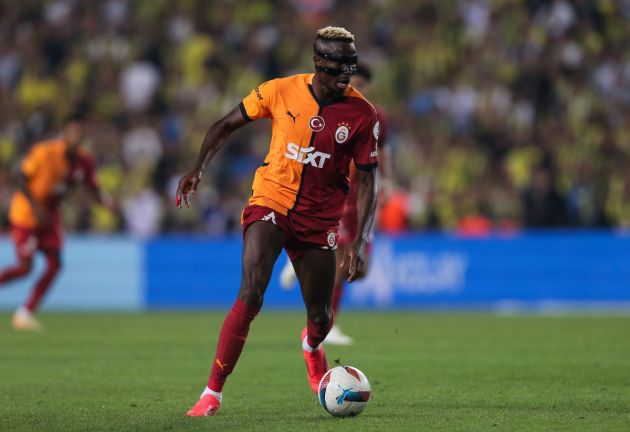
(344, 391)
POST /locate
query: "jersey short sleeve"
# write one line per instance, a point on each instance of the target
(364, 152)
(259, 102)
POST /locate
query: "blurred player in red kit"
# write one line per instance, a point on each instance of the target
(48, 172)
(361, 81)
(320, 124)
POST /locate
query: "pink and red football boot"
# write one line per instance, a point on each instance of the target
(316, 364)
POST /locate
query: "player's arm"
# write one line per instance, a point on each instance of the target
(385, 183)
(212, 143)
(366, 209)
(385, 170)
(384, 162)
(40, 213)
(96, 192)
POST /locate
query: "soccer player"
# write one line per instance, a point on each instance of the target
(47, 173)
(319, 125)
(348, 226)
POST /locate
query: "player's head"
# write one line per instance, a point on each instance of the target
(335, 58)
(362, 79)
(73, 131)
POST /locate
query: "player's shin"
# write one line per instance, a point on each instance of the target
(316, 332)
(53, 265)
(231, 341)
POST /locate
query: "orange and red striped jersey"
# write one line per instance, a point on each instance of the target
(312, 144)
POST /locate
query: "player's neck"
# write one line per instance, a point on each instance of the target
(71, 153)
(324, 94)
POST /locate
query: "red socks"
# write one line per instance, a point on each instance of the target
(231, 341)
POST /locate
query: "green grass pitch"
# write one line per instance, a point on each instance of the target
(429, 371)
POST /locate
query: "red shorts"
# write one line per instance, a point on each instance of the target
(27, 240)
(298, 237)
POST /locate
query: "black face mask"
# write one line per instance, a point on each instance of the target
(348, 63)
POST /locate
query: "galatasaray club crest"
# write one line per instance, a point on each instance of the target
(342, 133)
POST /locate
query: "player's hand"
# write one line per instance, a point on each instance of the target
(187, 185)
(355, 258)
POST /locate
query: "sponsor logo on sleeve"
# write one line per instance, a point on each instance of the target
(375, 151)
(377, 129)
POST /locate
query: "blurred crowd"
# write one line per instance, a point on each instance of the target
(503, 113)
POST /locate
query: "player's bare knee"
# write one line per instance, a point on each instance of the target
(253, 286)
(251, 297)
(320, 316)
(256, 279)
